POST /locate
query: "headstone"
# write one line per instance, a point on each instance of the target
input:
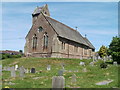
(22, 71)
(60, 72)
(99, 57)
(13, 73)
(91, 63)
(115, 63)
(27, 70)
(7, 68)
(84, 70)
(62, 64)
(16, 67)
(58, 82)
(73, 79)
(104, 58)
(49, 67)
(82, 63)
(32, 70)
(104, 82)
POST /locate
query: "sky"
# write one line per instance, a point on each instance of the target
(98, 20)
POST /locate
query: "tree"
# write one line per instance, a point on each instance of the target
(20, 51)
(103, 51)
(114, 49)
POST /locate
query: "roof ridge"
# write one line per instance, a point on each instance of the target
(62, 23)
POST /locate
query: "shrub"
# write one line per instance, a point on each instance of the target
(103, 65)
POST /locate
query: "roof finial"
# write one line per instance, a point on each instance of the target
(85, 35)
(76, 27)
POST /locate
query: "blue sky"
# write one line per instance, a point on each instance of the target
(98, 20)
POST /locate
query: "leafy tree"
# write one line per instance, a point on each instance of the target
(103, 51)
(114, 49)
(20, 51)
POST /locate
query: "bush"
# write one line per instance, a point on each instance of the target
(103, 65)
(5, 56)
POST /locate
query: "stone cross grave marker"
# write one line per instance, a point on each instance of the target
(32, 70)
(60, 72)
(22, 71)
(58, 82)
(13, 73)
(16, 67)
(73, 79)
(49, 67)
(115, 63)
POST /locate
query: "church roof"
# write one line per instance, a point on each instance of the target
(68, 33)
(89, 43)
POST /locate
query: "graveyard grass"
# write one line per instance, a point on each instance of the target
(43, 78)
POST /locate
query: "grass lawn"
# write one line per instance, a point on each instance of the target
(87, 79)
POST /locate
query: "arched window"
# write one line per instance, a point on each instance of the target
(34, 44)
(45, 40)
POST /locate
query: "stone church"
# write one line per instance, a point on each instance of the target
(50, 38)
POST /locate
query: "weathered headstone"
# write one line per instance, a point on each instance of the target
(7, 68)
(13, 73)
(60, 72)
(73, 79)
(115, 63)
(58, 82)
(26, 70)
(99, 57)
(104, 82)
(16, 67)
(32, 70)
(82, 63)
(62, 65)
(91, 63)
(22, 71)
(84, 70)
(49, 67)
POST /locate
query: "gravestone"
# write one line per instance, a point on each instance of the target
(49, 67)
(16, 67)
(73, 79)
(22, 71)
(7, 68)
(60, 72)
(58, 82)
(99, 57)
(84, 70)
(104, 58)
(62, 65)
(32, 70)
(27, 70)
(82, 63)
(91, 63)
(115, 63)
(13, 73)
